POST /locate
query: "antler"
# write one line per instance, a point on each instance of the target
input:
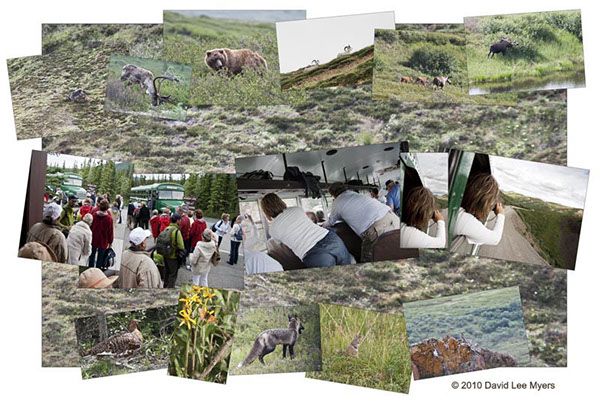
(158, 98)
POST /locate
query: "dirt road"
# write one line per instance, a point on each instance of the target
(513, 246)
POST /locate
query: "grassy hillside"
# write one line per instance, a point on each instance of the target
(252, 322)
(211, 137)
(553, 228)
(386, 286)
(125, 98)
(347, 70)
(426, 54)
(491, 319)
(383, 360)
(187, 38)
(549, 42)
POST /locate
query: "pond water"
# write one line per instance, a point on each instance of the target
(549, 82)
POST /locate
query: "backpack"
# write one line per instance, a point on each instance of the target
(216, 225)
(164, 246)
(257, 175)
(310, 181)
(238, 234)
(109, 259)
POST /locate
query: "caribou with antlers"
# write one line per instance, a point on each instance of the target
(133, 74)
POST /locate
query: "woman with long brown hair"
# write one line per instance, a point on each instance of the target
(419, 207)
(480, 198)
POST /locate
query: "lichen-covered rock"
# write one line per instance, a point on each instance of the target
(436, 357)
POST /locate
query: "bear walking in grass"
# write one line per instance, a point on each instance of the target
(233, 62)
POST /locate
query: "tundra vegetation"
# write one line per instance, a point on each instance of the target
(385, 286)
(74, 56)
(211, 137)
(124, 97)
(383, 360)
(550, 44)
(253, 321)
(552, 229)
(155, 325)
(201, 341)
(489, 319)
(187, 38)
(407, 64)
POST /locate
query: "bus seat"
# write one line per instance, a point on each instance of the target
(387, 247)
(351, 240)
(283, 254)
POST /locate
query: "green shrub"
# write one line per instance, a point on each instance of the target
(433, 61)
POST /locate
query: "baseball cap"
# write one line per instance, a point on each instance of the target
(138, 235)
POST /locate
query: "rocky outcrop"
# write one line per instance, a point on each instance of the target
(436, 357)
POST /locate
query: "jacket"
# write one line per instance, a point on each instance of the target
(79, 243)
(200, 259)
(114, 213)
(138, 271)
(67, 217)
(143, 213)
(165, 221)
(102, 229)
(196, 231)
(155, 226)
(184, 226)
(52, 236)
(130, 209)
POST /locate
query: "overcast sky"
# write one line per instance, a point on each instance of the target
(301, 42)
(556, 184)
(57, 160)
(434, 171)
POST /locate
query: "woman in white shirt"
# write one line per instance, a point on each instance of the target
(200, 259)
(480, 198)
(315, 246)
(418, 209)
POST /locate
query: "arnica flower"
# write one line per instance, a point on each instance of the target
(186, 319)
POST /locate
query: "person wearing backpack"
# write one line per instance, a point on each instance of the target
(170, 246)
(237, 235)
(221, 227)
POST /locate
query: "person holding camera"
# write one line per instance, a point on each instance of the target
(418, 209)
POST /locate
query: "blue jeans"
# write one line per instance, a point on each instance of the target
(234, 252)
(101, 255)
(328, 252)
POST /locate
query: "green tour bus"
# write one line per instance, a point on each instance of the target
(70, 184)
(159, 195)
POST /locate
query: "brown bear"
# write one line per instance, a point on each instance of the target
(234, 60)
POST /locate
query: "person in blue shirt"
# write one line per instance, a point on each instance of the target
(393, 196)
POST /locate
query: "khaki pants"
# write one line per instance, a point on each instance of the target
(388, 222)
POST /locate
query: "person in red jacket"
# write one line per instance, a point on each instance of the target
(155, 225)
(102, 234)
(197, 229)
(85, 208)
(165, 219)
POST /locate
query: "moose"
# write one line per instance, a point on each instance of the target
(440, 81)
(133, 74)
(501, 46)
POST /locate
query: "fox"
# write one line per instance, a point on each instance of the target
(352, 349)
(267, 341)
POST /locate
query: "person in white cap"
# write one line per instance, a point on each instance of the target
(201, 258)
(50, 233)
(137, 268)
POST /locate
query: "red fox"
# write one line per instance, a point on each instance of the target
(267, 341)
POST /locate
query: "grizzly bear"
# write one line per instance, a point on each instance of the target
(232, 62)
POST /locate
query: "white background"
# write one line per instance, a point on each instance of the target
(24, 384)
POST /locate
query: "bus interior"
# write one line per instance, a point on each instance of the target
(362, 168)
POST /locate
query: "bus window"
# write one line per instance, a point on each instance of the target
(170, 195)
(73, 182)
